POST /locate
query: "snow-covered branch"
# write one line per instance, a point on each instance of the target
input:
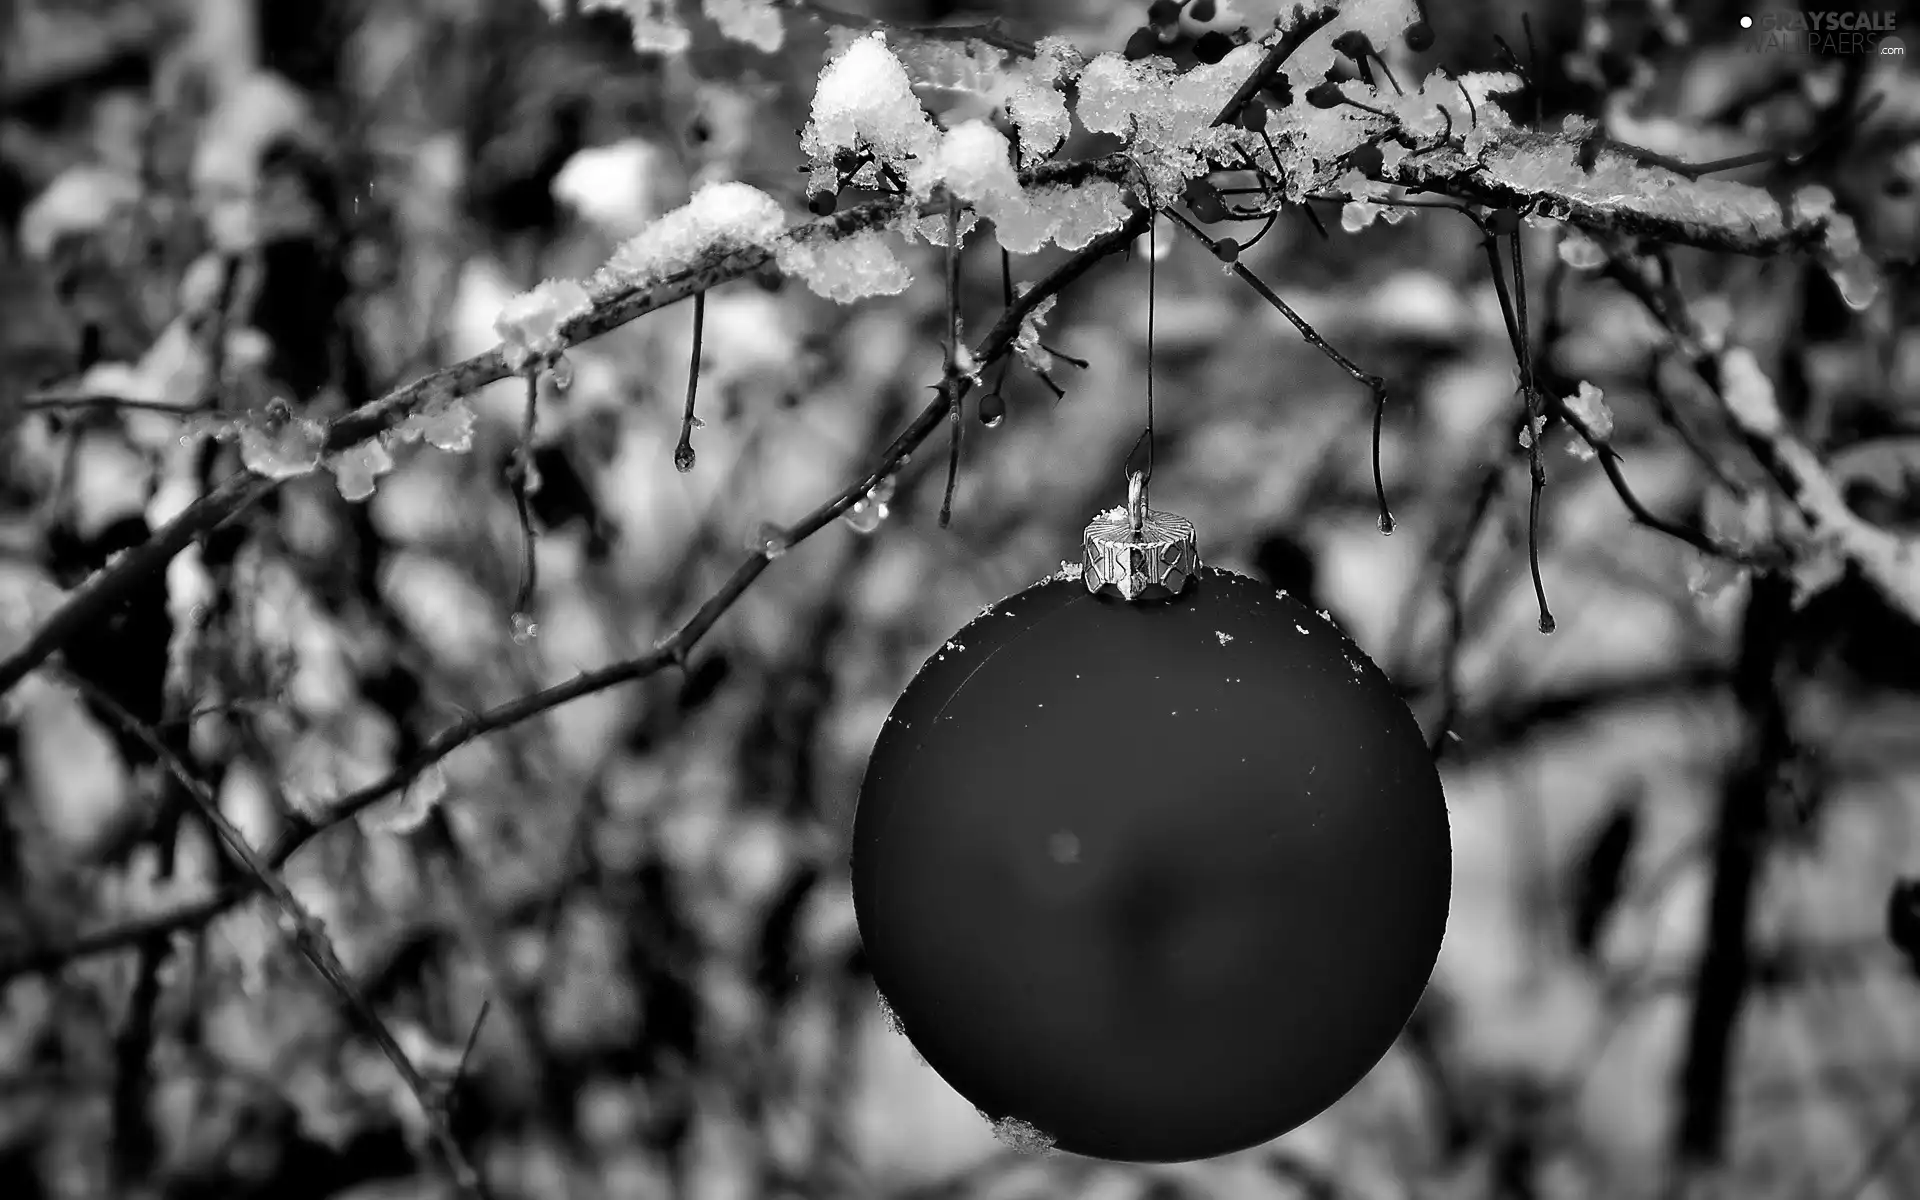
(1540, 173)
(1890, 561)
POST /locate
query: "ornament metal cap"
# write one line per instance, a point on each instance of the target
(1139, 554)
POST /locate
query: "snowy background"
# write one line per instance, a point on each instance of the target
(647, 886)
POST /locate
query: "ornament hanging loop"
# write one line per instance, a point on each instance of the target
(1139, 554)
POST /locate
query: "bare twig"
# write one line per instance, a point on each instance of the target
(683, 456)
(1513, 312)
(523, 484)
(1375, 385)
(952, 365)
(308, 935)
(1610, 460)
(1838, 124)
(1452, 569)
(54, 400)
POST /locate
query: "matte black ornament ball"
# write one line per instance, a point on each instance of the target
(1162, 878)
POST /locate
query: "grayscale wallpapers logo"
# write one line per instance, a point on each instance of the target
(1825, 33)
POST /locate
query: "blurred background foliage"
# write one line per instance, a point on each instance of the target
(647, 886)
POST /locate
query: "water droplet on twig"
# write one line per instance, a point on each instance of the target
(865, 516)
(769, 539)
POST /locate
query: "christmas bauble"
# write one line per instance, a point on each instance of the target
(1161, 879)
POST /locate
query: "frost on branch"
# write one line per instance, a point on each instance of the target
(356, 468)
(719, 217)
(1034, 103)
(282, 445)
(1589, 406)
(1541, 173)
(1853, 272)
(446, 426)
(1026, 343)
(972, 160)
(1072, 216)
(529, 324)
(1749, 393)
(865, 102)
(1168, 117)
(1888, 560)
(845, 269)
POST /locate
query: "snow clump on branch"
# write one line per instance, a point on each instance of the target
(719, 217)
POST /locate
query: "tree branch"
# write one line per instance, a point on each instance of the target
(1539, 173)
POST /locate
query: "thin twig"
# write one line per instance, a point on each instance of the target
(1451, 571)
(522, 501)
(308, 935)
(1512, 310)
(1790, 158)
(683, 456)
(1374, 384)
(59, 401)
(1276, 56)
(951, 369)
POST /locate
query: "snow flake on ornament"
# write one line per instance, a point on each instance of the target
(1224, 637)
(1021, 1137)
